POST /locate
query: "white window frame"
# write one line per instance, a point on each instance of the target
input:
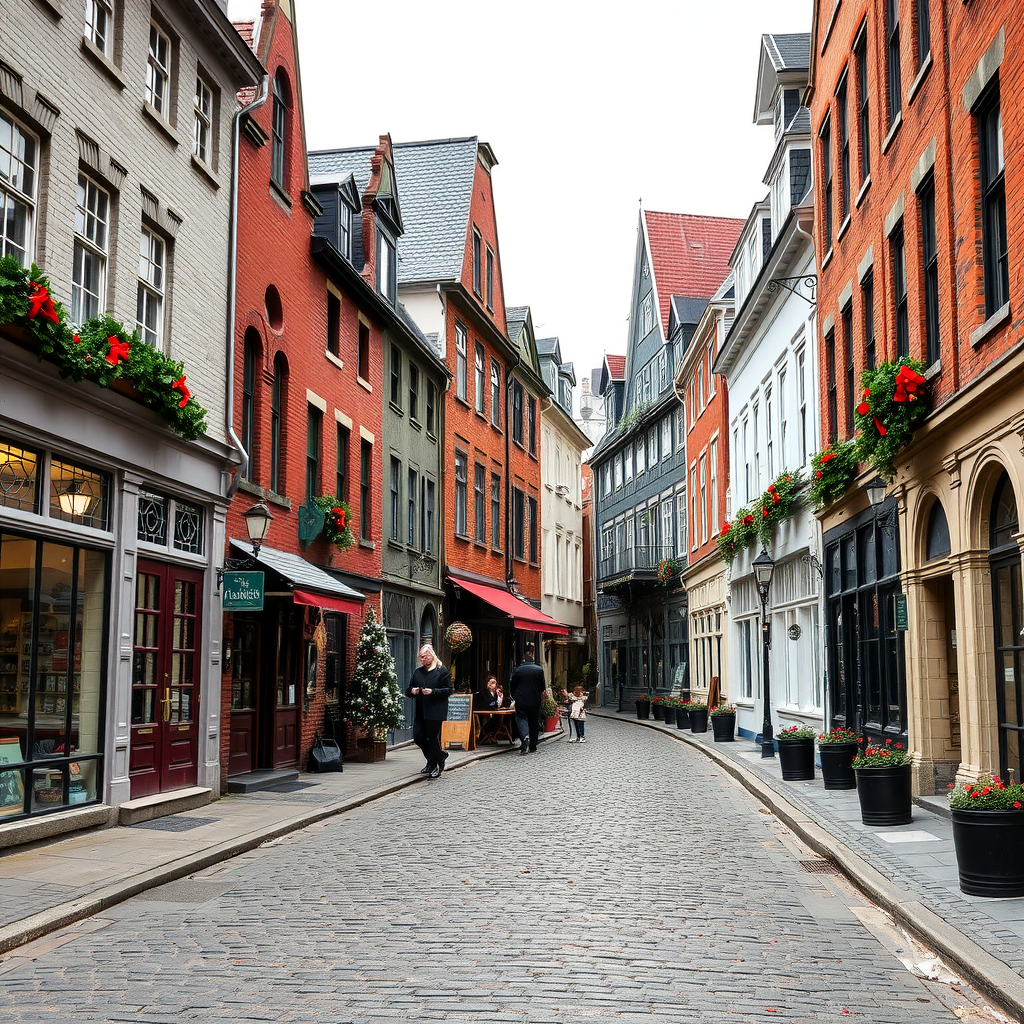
(495, 393)
(99, 25)
(703, 473)
(780, 388)
(479, 362)
(203, 110)
(641, 456)
(713, 486)
(151, 286)
(18, 188)
(461, 369)
(158, 71)
(801, 383)
(92, 233)
(666, 437)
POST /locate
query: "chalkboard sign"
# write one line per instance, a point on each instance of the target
(458, 728)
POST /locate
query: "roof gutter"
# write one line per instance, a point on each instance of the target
(229, 405)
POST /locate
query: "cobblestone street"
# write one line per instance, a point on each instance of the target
(571, 884)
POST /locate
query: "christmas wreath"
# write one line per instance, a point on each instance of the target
(893, 402)
(103, 349)
(459, 637)
(668, 568)
(337, 520)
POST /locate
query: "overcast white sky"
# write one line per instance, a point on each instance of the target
(589, 109)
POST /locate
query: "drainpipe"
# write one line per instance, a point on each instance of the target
(229, 407)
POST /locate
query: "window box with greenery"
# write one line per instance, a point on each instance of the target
(988, 836)
(337, 520)
(893, 403)
(781, 500)
(833, 469)
(796, 753)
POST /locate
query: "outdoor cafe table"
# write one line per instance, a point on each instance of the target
(502, 721)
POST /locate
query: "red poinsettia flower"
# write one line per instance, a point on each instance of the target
(726, 527)
(775, 499)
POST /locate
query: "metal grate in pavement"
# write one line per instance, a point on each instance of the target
(174, 823)
(819, 867)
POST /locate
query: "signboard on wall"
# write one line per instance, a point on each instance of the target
(242, 591)
(901, 612)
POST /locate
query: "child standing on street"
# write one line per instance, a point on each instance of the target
(577, 713)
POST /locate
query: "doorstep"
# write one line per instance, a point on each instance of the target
(46, 826)
(253, 782)
(145, 808)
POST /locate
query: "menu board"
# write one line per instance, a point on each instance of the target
(457, 730)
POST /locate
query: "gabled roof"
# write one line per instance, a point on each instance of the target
(336, 165)
(515, 317)
(687, 310)
(689, 255)
(549, 347)
(788, 51)
(616, 367)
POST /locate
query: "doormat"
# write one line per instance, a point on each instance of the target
(174, 823)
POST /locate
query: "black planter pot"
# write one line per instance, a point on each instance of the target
(796, 759)
(682, 718)
(659, 712)
(724, 728)
(643, 709)
(884, 795)
(988, 845)
(837, 765)
(699, 720)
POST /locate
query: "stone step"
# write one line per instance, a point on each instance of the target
(253, 782)
(146, 808)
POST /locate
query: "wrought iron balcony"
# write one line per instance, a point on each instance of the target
(639, 562)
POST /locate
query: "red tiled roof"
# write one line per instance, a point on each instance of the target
(689, 254)
(616, 366)
(247, 30)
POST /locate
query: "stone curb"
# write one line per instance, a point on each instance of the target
(985, 972)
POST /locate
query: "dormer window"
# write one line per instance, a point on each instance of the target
(279, 129)
(386, 269)
(344, 228)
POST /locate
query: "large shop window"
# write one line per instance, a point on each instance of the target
(53, 601)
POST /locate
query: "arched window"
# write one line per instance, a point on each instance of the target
(937, 541)
(428, 626)
(250, 361)
(278, 404)
(1003, 523)
(279, 128)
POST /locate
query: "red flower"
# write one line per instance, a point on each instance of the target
(827, 457)
(863, 409)
(76, 339)
(748, 520)
(178, 385)
(725, 528)
(975, 795)
(40, 303)
(771, 488)
(817, 475)
(775, 499)
(867, 393)
(1016, 805)
(118, 350)
(764, 512)
(881, 429)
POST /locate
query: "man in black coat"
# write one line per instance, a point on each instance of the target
(527, 688)
(430, 687)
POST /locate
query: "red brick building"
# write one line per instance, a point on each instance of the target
(914, 110)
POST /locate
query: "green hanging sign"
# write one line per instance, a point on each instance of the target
(311, 523)
(901, 612)
(242, 592)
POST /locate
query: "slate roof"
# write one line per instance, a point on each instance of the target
(689, 255)
(801, 122)
(546, 346)
(335, 165)
(616, 367)
(788, 51)
(515, 317)
(687, 310)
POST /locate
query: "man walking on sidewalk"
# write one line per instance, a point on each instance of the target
(527, 688)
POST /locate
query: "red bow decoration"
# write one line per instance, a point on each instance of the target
(40, 303)
(118, 350)
(339, 517)
(881, 429)
(179, 385)
(908, 383)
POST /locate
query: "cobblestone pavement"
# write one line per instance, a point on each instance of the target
(573, 884)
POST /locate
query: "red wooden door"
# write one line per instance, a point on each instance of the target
(165, 679)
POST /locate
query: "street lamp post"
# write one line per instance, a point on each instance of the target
(763, 567)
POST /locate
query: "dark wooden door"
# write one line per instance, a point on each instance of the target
(165, 678)
(287, 691)
(245, 685)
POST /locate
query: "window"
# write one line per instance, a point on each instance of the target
(830, 369)
(478, 379)
(531, 507)
(898, 254)
(495, 393)
(396, 376)
(496, 511)
(314, 425)
(801, 387)
(460, 361)
(250, 357)
(517, 412)
(867, 290)
(158, 72)
(826, 181)
(627, 465)
(333, 324)
(930, 259)
(703, 499)
(681, 521)
(387, 280)
(652, 448)
(711, 363)
(844, 152)
(365, 483)
(531, 417)
(480, 526)
(680, 427)
(519, 523)
(18, 151)
(694, 523)
(460, 494)
(278, 129)
(713, 486)
(88, 286)
(647, 315)
(993, 201)
(203, 107)
(396, 499)
(428, 517)
(344, 229)
(851, 379)
(666, 437)
(99, 24)
(700, 385)
(414, 392)
(476, 262)
(641, 456)
(490, 279)
(746, 463)
(412, 492)
(667, 538)
(892, 58)
(364, 351)
(617, 467)
(860, 54)
(150, 300)
(431, 408)
(278, 397)
(341, 473)
(924, 32)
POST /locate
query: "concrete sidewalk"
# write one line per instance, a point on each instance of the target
(909, 870)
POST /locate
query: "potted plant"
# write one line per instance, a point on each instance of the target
(698, 716)
(988, 836)
(658, 707)
(837, 749)
(723, 722)
(375, 701)
(549, 712)
(883, 784)
(796, 753)
(643, 706)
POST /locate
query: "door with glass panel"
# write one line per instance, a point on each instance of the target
(245, 681)
(165, 679)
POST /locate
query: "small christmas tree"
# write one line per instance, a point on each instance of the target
(375, 699)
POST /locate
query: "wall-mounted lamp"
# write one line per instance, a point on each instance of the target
(74, 500)
(876, 491)
(257, 524)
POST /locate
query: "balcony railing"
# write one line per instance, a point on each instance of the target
(642, 559)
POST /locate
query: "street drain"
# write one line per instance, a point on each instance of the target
(819, 867)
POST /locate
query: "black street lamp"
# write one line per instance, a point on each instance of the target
(763, 567)
(257, 525)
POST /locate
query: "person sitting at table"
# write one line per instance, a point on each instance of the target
(491, 698)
